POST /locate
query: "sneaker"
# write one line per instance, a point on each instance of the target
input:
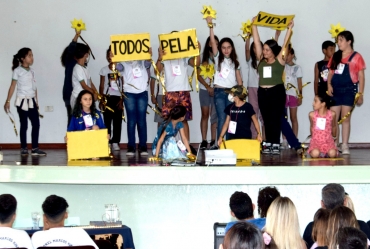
(143, 151)
(203, 145)
(130, 151)
(115, 146)
(266, 148)
(38, 152)
(345, 149)
(275, 149)
(24, 152)
(284, 145)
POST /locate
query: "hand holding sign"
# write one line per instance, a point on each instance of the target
(273, 21)
(131, 47)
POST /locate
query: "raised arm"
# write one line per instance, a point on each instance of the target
(284, 48)
(159, 64)
(257, 41)
(212, 36)
(191, 60)
(247, 51)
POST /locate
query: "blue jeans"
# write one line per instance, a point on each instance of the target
(136, 105)
(221, 102)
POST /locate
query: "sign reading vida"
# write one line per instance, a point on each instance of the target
(271, 20)
(130, 47)
(181, 44)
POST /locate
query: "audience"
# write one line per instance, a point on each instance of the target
(320, 226)
(266, 196)
(55, 234)
(243, 235)
(282, 224)
(351, 238)
(349, 202)
(9, 237)
(332, 195)
(242, 208)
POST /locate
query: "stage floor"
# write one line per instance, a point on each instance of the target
(58, 157)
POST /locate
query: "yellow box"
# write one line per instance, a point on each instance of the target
(87, 144)
(245, 149)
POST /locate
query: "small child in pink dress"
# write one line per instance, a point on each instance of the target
(323, 129)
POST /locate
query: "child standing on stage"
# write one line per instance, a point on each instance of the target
(323, 128)
(239, 116)
(156, 98)
(111, 87)
(293, 75)
(346, 78)
(321, 68)
(26, 102)
(81, 79)
(227, 73)
(165, 144)
(206, 94)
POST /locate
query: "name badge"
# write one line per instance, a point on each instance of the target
(232, 127)
(181, 145)
(136, 72)
(88, 121)
(176, 70)
(324, 74)
(320, 124)
(225, 71)
(340, 68)
(267, 72)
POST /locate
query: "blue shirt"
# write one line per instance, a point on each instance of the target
(170, 131)
(78, 124)
(259, 222)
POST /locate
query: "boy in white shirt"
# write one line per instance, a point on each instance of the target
(55, 234)
(9, 237)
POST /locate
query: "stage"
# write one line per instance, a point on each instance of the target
(165, 204)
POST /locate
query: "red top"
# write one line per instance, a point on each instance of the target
(357, 64)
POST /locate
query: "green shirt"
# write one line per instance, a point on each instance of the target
(273, 73)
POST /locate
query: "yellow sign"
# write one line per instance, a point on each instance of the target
(271, 20)
(179, 45)
(130, 47)
(87, 144)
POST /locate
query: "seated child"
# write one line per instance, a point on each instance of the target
(243, 235)
(239, 116)
(323, 128)
(165, 144)
(242, 208)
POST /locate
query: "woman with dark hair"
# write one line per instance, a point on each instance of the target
(243, 235)
(346, 75)
(351, 238)
(266, 196)
(206, 94)
(227, 73)
(271, 91)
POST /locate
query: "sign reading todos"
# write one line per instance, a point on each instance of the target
(271, 20)
(181, 44)
(130, 47)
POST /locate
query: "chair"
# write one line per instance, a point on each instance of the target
(218, 234)
(246, 150)
(66, 247)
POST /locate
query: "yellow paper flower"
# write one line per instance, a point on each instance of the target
(246, 27)
(208, 11)
(336, 29)
(207, 71)
(78, 24)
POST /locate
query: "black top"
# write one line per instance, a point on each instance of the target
(322, 66)
(308, 231)
(243, 118)
(69, 65)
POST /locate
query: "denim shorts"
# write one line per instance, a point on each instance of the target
(344, 95)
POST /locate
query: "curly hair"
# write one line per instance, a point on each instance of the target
(266, 196)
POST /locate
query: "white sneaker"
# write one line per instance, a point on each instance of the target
(345, 149)
(284, 145)
(115, 146)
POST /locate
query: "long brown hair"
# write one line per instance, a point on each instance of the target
(233, 56)
(320, 226)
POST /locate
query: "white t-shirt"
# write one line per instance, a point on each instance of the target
(13, 238)
(114, 85)
(227, 76)
(253, 76)
(135, 76)
(26, 83)
(154, 76)
(207, 80)
(292, 73)
(62, 236)
(80, 73)
(176, 75)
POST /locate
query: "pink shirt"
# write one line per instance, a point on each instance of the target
(357, 64)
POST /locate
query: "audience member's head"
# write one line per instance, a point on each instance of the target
(351, 238)
(266, 196)
(320, 226)
(332, 195)
(349, 203)
(55, 211)
(243, 235)
(339, 217)
(282, 223)
(8, 206)
(241, 206)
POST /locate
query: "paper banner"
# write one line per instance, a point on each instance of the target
(87, 144)
(273, 21)
(130, 47)
(182, 44)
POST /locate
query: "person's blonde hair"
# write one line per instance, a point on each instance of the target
(320, 226)
(339, 217)
(283, 225)
(349, 203)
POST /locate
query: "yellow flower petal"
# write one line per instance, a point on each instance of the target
(335, 30)
(208, 11)
(246, 27)
(78, 24)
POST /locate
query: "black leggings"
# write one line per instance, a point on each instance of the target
(271, 102)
